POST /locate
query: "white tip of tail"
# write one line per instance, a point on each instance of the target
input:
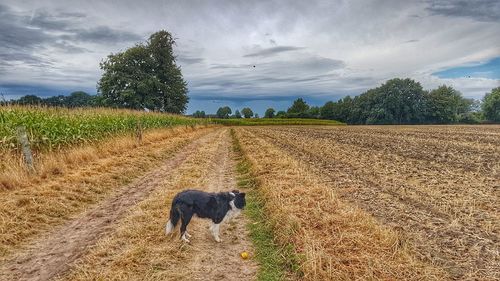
(169, 227)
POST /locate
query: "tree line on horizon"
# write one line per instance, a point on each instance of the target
(397, 101)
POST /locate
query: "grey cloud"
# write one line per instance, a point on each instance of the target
(272, 51)
(24, 37)
(69, 48)
(69, 22)
(229, 66)
(11, 59)
(480, 10)
(315, 64)
(411, 41)
(103, 34)
(53, 22)
(183, 59)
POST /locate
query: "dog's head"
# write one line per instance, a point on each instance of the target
(239, 199)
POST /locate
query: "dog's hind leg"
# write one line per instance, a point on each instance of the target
(187, 213)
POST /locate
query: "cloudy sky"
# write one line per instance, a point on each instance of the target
(319, 50)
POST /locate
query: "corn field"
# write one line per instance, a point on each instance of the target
(54, 128)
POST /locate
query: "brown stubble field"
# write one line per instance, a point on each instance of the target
(436, 187)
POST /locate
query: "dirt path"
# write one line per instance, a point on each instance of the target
(64, 252)
(221, 261)
(53, 253)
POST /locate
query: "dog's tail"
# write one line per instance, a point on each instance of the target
(175, 215)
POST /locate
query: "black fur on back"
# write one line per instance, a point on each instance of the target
(205, 205)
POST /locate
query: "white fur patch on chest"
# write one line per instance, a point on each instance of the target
(233, 212)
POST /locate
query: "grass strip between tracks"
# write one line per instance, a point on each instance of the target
(276, 262)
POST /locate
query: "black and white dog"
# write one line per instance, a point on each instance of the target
(218, 207)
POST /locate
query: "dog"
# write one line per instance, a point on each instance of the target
(219, 207)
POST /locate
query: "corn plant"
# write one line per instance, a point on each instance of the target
(54, 128)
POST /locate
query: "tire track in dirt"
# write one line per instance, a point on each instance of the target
(53, 253)
(221, 261)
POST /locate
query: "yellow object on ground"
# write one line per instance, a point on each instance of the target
(244, 255)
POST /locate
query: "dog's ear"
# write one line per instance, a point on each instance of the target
(242, 194)
(235, 191)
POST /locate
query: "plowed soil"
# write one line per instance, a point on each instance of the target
(439, 186)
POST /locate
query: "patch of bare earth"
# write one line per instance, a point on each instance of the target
(437, 185)
(138, 249)
(332, 238)
(221, 261)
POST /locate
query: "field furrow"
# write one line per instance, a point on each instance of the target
(449, 215)
(334, 239)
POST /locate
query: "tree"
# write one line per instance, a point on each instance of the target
(55, 101)
(145, 75)
(256, 115)
(313, 112)
(491, 105)
(329, 111)
(400, 100)
(78, 99)
(269, 113)
(224, 112)
(299, 108)
(199, 114)
(445, 105)
(281, 114)
(237, 114)
(30, 100)
(247, 112)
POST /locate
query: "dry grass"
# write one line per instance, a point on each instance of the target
(69, 181)
(138, 248)
(336, 240)
(14, 173)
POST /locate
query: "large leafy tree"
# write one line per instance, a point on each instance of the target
(79, 99)
(400, 101)
(491, 105)
(145, 75)
(330, 110)
(247, 112)
(30, 100)
(269, 113)
(224, 112)
(199, 114)
(299, 108)
(445, 105)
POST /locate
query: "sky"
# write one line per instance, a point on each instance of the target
(256, 53)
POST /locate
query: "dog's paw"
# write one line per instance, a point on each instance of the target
(185, 238)
(188, 235)
(218, 239)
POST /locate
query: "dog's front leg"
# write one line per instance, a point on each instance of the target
(215, 229)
